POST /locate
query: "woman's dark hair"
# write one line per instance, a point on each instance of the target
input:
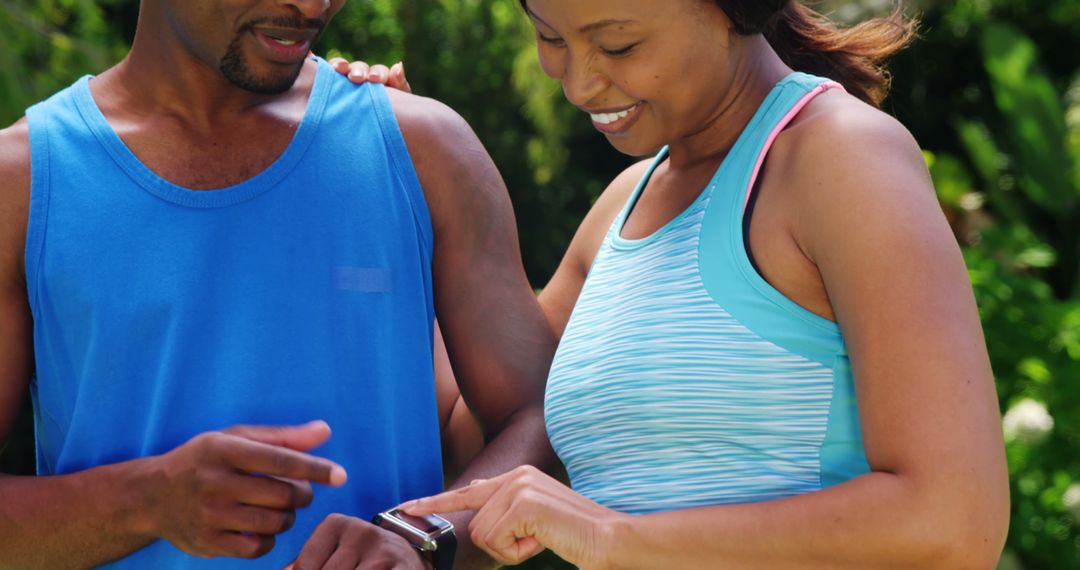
(808, 41)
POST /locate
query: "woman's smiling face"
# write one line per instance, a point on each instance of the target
(647, 72)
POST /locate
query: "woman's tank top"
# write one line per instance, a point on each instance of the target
(683, 378)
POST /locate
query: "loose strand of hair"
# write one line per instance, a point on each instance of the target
(853, 56)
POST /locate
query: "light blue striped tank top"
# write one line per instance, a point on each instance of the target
(683, 378)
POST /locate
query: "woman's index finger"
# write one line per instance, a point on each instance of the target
(468, 498)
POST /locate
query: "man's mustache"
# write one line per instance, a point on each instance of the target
(295, 23)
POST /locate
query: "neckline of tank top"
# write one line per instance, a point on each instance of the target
(624, 244)
(238, 193)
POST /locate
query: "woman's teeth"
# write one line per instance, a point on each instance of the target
(608, 118)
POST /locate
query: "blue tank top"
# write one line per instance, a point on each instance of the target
(683, 378)
(302, 293)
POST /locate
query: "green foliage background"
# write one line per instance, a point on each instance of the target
(992, 92)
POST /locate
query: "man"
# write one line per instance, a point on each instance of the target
(215, 251)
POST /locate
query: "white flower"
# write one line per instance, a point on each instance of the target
(1027, 422)
(1072, 501)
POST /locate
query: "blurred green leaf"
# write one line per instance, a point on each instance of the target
(951, 178)
(1035, 116)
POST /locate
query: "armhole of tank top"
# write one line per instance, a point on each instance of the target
(402, 164)
(748, 214)
(37, 220)
(744, 260)
(613, 237)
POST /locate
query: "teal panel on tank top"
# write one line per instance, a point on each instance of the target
(302, 293)
(683, 378)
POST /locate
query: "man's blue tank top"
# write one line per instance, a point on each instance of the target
(684, 379)
(302, 293)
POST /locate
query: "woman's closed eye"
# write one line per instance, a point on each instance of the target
(552, 40)
(620, 52)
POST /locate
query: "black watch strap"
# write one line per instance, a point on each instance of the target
(443, 557)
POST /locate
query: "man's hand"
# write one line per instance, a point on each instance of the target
(360, 72)
(229, 493)
(348, 542)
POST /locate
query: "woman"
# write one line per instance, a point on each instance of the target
(770, 354)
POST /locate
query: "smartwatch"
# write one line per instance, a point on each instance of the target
(432, 535)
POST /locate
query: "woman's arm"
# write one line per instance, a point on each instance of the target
(937, 495)
(462, 438)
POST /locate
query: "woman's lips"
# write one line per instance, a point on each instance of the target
(616, 122)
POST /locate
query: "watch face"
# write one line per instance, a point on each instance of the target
(427, 524)
(429, 534)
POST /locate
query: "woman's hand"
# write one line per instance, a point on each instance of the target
(359, 72)
(522, 512)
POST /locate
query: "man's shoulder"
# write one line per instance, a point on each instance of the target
(444, 148)
(412, 106)
(15, 137)
(458, 176)
(14, 195)
(14, 161)
(427, 121)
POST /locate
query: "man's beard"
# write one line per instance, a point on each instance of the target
(235, 67)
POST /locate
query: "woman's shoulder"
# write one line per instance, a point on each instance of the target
(840, 148)
(836, 121)
(591, 232)
(843, 163)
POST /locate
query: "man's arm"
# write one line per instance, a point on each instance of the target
(57, 522)
(496, 335)
(15, 323)
(88, 518)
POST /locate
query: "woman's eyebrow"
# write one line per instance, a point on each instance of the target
(588, 27)
(604, 24)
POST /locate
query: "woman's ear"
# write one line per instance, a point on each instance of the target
(719, 20)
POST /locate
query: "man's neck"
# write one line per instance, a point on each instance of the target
(159, 77)
(193, 127)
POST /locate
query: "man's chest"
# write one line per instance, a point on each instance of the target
(208, 161)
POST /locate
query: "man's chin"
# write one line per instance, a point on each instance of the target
(273, 82)
(267, 87)
(264, 85)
